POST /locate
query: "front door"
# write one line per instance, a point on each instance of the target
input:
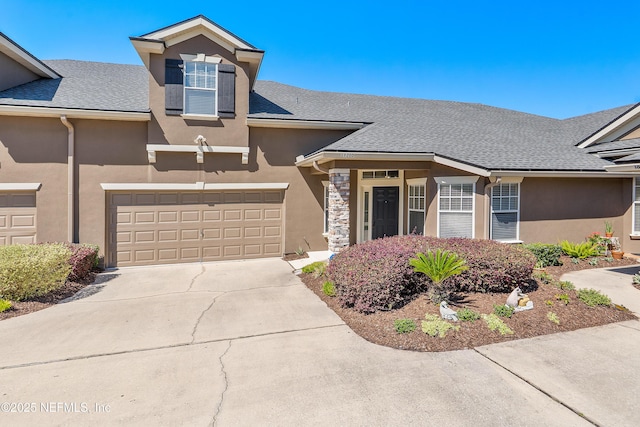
(385, 212)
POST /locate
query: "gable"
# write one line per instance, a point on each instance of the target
(17, 66)
(13, 74)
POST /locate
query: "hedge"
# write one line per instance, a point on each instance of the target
(28, 271)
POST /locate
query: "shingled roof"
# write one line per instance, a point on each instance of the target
(475, 134)
(85, 85)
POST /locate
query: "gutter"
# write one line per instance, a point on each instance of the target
(70, 177)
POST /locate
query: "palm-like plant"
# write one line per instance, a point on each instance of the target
(438, 266)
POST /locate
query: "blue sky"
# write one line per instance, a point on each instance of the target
(553, 58)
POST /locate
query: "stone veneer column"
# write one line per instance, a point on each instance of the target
(339, 191)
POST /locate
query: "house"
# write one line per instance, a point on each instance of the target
(190, 157)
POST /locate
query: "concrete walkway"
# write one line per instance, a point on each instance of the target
(246, 343)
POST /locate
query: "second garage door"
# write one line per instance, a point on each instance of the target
(171, 227)
(17, 217)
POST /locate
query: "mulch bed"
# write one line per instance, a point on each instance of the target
(36, 304)
(378, 327)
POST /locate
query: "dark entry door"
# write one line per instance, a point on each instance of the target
(385, 212)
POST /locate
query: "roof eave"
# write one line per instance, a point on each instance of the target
(73, 113)
(608, 129)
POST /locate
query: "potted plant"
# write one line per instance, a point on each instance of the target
(616, 250)
(608, 229)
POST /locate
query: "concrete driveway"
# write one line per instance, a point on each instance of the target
(246, 343)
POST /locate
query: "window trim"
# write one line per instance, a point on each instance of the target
(200, 57)
(458, 180)
(517, 211)
(416, 182)
(325, 211)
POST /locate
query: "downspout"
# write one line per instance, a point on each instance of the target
(487, 204)
(317, 167)
(70, 177)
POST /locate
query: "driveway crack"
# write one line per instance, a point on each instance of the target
(196, 276)
(226, 385)
(195, 327)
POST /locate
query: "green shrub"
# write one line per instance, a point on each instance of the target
(404, 326)
(580, 250)
(438, 266)
(468, 315)
(591, 297)
(329, 289)
(553, 317)
(575, 260)
(28, 271)
(433, 325)
(503, 310)
(549, 302)
(5, 305)
(636, 279)
(562, 298)
(564, 285)
(547, 255)
(593, 261)
(495, 323)
(317, 268)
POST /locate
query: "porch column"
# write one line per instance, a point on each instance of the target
(339, 191)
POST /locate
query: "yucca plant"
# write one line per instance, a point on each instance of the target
(438, 266)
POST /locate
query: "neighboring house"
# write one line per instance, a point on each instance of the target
(190, 158)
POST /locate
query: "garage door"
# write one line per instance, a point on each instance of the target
(189, 226)
(17, 217)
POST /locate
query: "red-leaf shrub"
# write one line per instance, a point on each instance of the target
(83, 259)
(376, 275)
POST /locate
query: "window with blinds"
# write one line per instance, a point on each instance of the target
(455, 210)
(200, 87)
(505, 211)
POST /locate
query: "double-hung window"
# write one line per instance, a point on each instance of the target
(201, 86)
(505, 211)
(456, 206)
(417, 203)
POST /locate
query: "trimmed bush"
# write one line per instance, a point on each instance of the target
(376, 275)
(547, 255)
(28, 271)
(83, 259)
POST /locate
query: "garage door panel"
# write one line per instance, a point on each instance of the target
(273, 196)
(145, 217)
(211, 233)
(3, 222)
(193, 234)
(272, 249)
(232, 215)
(170, 227)
(252, 232)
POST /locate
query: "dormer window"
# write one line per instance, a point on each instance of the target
(200, 85)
